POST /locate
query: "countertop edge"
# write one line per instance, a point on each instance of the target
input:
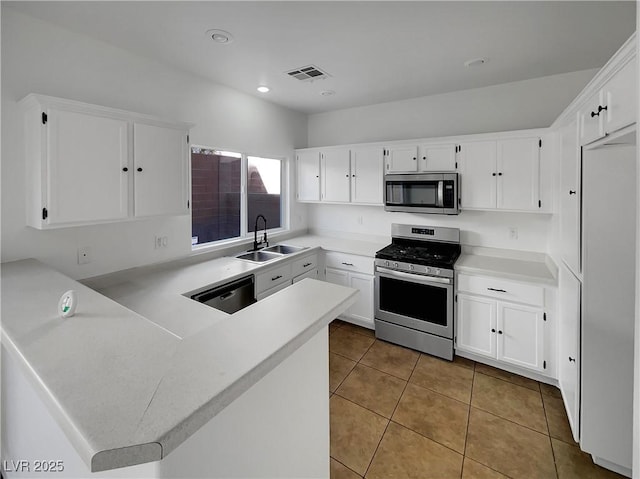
(126, 456)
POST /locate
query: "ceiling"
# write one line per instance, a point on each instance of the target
(374, 51)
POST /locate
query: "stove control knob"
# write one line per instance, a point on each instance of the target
(436, 271)
(386, 263)
(411, 267)
(428, 270)
(395, 265)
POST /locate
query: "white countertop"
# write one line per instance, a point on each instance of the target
(129, 384)
(521, 266)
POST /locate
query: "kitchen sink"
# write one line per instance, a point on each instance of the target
(284, 249)
(259, 256)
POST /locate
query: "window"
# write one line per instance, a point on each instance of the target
(219, 209)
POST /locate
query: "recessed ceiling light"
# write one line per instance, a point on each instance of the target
(220, 36)
(476, 62)
(327, 92)
(263, 89)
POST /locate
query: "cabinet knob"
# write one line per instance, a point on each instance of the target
(600, 108)
(499, 174)
(125, 169)
(499, 331)
(414, 158)
(593, 113)
(571, 192)
(139, 169)
(572, 360)
(424, 158)
(493, 174)
(493, 330)
(347, 176)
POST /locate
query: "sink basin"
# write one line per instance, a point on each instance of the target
(284, 249)
(259, 256)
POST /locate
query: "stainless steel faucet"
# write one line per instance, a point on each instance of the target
(256, 243)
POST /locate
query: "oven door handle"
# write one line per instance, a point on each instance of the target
(415, 278)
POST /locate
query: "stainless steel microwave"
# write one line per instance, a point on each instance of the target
(422, 193)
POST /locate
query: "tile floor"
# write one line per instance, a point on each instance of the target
(396, 413)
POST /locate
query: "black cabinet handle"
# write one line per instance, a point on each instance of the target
(600, 108)
(306, 265)
(499, 332)
(493, 330)
(499, 174)
(593, 113)
(424, 157)
(414, 158)
(572, 359)
(347, 264)
(498, 290)
(571, 192)
(139, 169)
(276, 277)
(125, 169)
(347, 176)
(493, 174)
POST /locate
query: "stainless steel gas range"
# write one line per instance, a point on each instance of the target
(414, 290)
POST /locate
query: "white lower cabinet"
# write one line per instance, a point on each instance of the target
(505, 331)
(285, 273)
(355, 272)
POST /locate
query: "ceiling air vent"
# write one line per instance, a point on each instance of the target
(308, 73)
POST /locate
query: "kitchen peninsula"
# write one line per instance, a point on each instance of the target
(113, 390)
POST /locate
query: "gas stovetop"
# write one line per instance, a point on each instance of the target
(425, 246)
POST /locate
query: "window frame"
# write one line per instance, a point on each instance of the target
(245, 235)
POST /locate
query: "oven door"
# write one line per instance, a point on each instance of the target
(419, 302)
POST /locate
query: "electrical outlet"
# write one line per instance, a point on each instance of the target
(513, 233)
(84, 255)
(161, 242)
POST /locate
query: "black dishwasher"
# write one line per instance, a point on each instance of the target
(229, 297)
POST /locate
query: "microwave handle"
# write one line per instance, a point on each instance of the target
(440, 198)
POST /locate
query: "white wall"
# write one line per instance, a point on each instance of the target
(38, 57)
(511, 106)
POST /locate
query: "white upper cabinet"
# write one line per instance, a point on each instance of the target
(612, 107)
(437, 157)
(85, 168)
(502, 174)
(518, 167)
(335, 175)
(308, 170)
(341, 175)
(477, 168)
(161, 167)
(81, 164)
(402, 159)
(366, 174)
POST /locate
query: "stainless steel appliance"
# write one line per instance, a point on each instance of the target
(422, 193)
(414, 288)
(229, 297)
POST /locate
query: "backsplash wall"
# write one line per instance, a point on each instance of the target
(477, 228)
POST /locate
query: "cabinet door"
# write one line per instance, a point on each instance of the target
(620, 95)
(591, 124)
(569, 360)
(86, 155)
(570, 197)
(520, 335)
(402, 158)
(335, 176)
(437, 158)
(477, 167)
(308, 173)
(362, 309)
(518, 166)
(337, 276)
(367, 175)
(161, 170)
(475, 328)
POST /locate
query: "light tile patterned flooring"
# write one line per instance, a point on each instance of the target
(396, 413)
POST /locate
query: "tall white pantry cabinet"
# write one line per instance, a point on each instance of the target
(597, 268)
(90, 164)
